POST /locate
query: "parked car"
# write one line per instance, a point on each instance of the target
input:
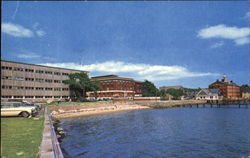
(18, 109)
(37, 107)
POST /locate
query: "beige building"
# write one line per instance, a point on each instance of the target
(34, 83)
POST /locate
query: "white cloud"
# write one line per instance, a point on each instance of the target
(225, 32)
(247, 15)
(35, 56)
(242, 41)
(137, 71)
(16, 30)
(218, 44)
(40, 33)
(19, 31)
(28, 55)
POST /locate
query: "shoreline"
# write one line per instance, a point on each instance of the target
(67, 112)
(72, 111)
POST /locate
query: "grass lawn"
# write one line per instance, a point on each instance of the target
(21, 137)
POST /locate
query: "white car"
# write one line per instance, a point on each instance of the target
(17, 109)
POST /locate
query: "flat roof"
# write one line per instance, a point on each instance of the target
(42, 65)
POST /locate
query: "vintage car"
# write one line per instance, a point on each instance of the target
(17, 109)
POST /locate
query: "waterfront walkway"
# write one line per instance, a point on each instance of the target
(49, 147)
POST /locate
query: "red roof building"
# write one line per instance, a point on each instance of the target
(113, 86)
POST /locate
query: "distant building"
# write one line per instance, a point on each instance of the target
(228, 89)
(189, 95)
(113, 86)
(33, 83)
(208, 94)
(170, 87)
(245, 92)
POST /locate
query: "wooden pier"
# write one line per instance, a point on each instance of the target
(197, 103)
(222, 104)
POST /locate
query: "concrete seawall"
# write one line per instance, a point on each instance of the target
(46, 148)
(170, 103)
(49, 147)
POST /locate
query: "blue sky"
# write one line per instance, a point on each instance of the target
(169, 43)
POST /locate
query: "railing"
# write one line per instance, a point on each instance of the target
(55, 144)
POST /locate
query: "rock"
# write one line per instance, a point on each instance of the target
(61, 111)
(53, 112)
(59, 129)
(61, 132)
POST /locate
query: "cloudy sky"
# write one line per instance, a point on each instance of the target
(169, 43)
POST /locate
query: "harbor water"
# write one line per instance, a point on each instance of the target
(160, 133)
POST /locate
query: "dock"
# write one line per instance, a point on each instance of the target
(196, 103)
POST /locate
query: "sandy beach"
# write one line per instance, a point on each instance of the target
(62, 112)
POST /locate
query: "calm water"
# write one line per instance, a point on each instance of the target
(159, 133)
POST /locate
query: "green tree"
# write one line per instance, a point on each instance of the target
(79, 84)
(149, 89)
(244, 86)
(176, 93)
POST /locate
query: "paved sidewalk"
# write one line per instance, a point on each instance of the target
(46, 149)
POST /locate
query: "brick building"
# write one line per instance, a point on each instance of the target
(113, 86)
(34, 83)
(228, 89)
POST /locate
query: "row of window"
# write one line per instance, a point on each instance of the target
(34, 88)
(31, 70)
(31, 79)
(31, 97)
(111, 81)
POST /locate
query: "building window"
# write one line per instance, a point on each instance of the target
(57, 81)
(39, 80)
(6, 87)
(48, 72)
(65, 89)
(18, 96)
(39, 88)
(48, 89)
(18, 78)
(57, 73)
(18, 69)
(48, 80)
(17, 87)
(29, 96)
(29, 79)
(6, 77)
(65, 74)
(29, 70)
(5, 96)
(38, 96)
(57, 89)
(29, 88)
(57, 96)
(65, 96)
(48, 96)
(6, 68)
(39, 71)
